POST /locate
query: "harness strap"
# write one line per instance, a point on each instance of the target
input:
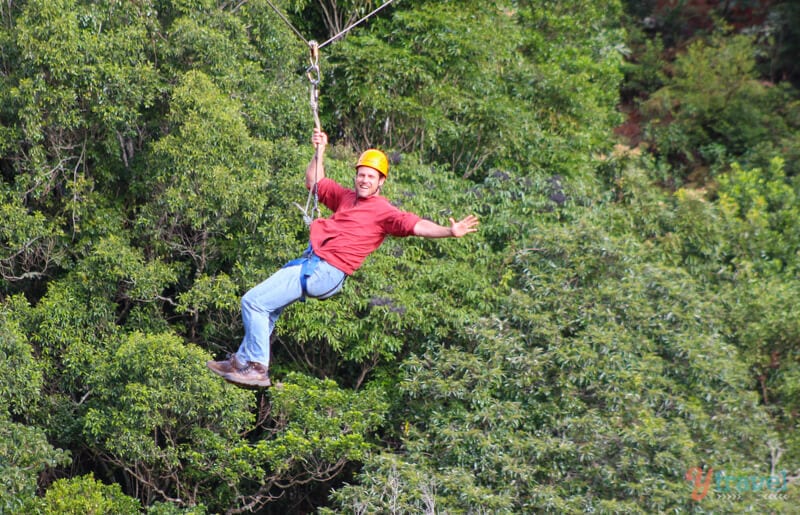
(308, 262)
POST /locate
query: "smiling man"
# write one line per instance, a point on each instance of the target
(361, 220)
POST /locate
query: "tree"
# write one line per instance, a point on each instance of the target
(86, 495)
(499, 98)
(589, 388)
(24, 450)
(178, 434)
(599, 337)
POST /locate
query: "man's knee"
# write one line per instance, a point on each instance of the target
(249, 301)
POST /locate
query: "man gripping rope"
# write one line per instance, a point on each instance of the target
(361, 220)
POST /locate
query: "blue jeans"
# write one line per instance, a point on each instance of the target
(262, 305)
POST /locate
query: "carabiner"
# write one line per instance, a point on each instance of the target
(312, 72)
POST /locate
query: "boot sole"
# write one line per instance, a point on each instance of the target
(252, 383)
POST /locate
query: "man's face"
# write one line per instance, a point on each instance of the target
(368, 181)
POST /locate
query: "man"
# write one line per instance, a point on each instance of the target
(361, 220)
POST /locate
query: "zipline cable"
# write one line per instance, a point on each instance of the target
(346, 30)
(334, 38)
(287, 22)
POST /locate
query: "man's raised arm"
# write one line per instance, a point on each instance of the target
(315, 171)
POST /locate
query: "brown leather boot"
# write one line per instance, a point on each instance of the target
(253, 374)
(225, 367)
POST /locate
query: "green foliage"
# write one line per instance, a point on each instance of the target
(173, 428)
(84, 70)
(594, 341)
(311, 431)
(761, 319)
(590, 389)
(24, 449)
(786, 41)
(27, 241)
(742, 244)
(22, 378)
(714, 109)
(320, 426)
(762, 211)
(24, 454)
(483, 100)
(86, 496)
(440, 106)
(644, 67)
(190, 210)
(217, 297)
(150, 405)
(83, 311)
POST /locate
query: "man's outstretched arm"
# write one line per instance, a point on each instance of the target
(428, 229)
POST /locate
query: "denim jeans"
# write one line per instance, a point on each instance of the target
(262, 305)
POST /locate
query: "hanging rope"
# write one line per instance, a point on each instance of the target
(314, 78)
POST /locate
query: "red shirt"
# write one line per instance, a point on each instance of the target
(358, 226)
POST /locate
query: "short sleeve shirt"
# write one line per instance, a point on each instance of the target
(357, 227)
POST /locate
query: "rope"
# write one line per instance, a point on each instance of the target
(314, 78)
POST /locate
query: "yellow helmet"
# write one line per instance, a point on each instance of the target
(376, 160)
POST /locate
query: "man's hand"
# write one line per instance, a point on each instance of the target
(319, 139)
(315, 171)
(463, 227)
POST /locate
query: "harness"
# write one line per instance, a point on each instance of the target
(308, 262)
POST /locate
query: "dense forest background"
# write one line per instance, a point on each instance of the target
(621, 336)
